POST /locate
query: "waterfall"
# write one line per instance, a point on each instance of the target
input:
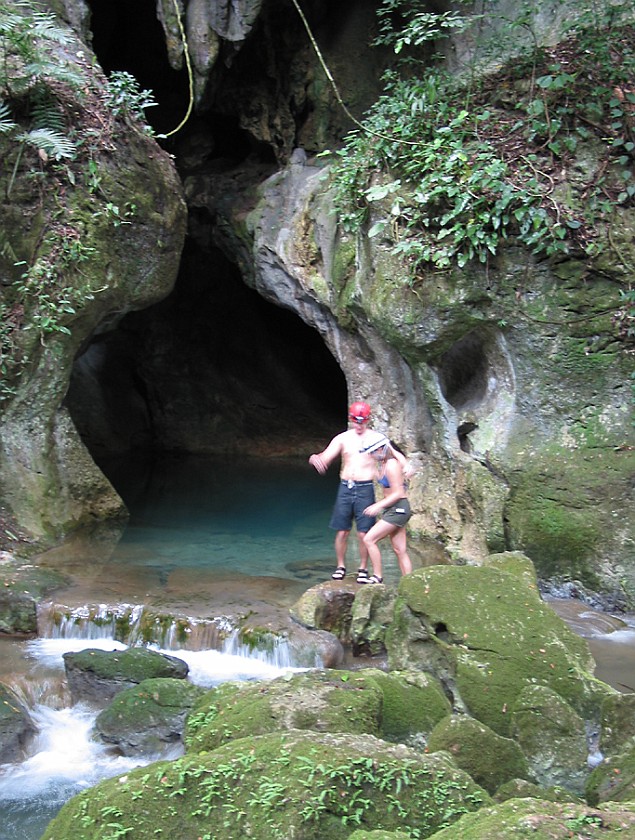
(132, 624)
(62, 758)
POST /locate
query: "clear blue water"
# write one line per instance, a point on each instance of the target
(247, 515)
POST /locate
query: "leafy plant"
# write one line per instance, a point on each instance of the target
(446, 170)
(125, 98)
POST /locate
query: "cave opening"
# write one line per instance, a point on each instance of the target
(213, 368)
(464, 370)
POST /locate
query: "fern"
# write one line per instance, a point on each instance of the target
(46, 112)
(54, 144)
(6, 123)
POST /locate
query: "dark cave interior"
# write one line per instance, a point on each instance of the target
(213, 367)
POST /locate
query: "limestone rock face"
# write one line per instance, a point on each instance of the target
(518, 432)
(92, 241)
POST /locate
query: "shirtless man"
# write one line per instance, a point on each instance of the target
(356, 490)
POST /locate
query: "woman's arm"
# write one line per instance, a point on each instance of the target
(395, 475)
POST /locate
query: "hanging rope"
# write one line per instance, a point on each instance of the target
(190, 75)
(336, 91)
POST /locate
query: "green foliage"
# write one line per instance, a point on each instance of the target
(454, 170)
(419, 25)
(30, 67)
(125, 98)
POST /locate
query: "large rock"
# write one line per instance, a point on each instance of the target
(552, 737)
(489, 758)
(398, 707)
(543, 820)
(617, 723)
(95, 676)
(487, 634)
(614, 778)
(16, 726)
(24, 585)
(149, 718)
(303, 785)
(327, 606)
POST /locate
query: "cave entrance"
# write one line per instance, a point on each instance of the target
(212, 369)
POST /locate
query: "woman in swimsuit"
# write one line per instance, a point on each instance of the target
(394, 508)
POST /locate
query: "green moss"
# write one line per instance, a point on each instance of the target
(275, 787)
(343, 267)
(412, 704)
(614, 779)
(328, 701)
(443, 624)
(540, 819)
(487, 757)
(133, 664)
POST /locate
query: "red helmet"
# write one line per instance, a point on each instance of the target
(359, 412)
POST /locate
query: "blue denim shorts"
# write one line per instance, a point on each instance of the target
(352, 498)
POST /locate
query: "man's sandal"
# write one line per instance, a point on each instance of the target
(339, 573)
(372, 579)
(362, 576)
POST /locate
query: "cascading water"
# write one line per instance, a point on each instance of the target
(62, 758)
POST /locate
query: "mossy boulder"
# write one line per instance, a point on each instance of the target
(552, 737)
(617, 723)
(326, 701)
(378, 835)
(303, 785)
(97, 675)
(395, 707)
(16, 726)
(522, 789)
(148, 718)
(489, 758)
(487, 634)
(540, 819)
(24, 585)
(413, 703)
(614, 778)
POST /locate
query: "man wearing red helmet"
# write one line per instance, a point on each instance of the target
(356, 489)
